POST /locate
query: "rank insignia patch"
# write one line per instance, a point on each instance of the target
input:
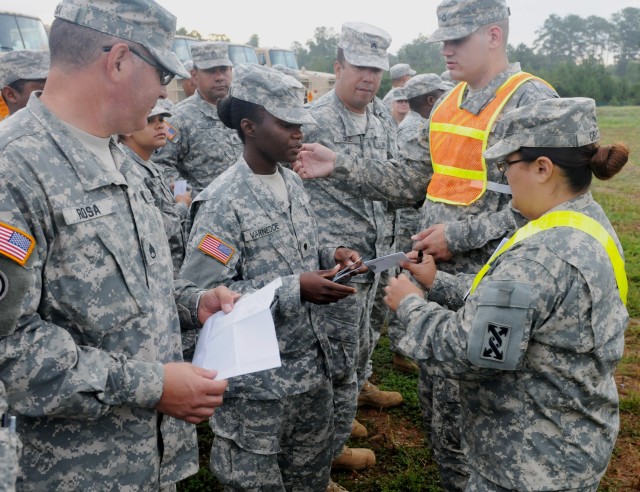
(217, 248)
(15, 244)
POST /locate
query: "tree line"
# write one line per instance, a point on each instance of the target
(591, 57)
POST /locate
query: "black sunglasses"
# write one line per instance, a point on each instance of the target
(165, 75)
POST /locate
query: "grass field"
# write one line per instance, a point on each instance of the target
(404, 462)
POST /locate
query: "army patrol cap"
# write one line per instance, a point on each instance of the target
(425, 83)
(210, 54)
(400, 70)
(140, 21)
(286, 70)
(280, 94)
(160, 109)
(459, 18)
(365, 45)
(398, 94)
(23, 65)
(559, 122)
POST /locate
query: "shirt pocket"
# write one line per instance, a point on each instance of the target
(96, 286)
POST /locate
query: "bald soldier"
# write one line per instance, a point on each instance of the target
(90, 351)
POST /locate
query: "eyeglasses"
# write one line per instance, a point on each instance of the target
(503, 164)
(165, 75)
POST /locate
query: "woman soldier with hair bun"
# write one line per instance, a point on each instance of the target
(537, 340)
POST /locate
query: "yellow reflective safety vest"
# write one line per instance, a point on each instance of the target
(575, 220)
(457, 140)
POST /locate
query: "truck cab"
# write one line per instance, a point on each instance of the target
(315, 83)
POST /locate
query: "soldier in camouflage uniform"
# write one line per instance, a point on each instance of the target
(400, 74)
(536, 343)
(422, 91)
(346, 219)
(200, 147)
(254, 224)
(21, 73)
(91, 353)
(140, 147)
(461, 235)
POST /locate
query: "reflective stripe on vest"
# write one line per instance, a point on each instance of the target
(457, 140)
(575, 220)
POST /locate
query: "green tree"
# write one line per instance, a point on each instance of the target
(254, 41)
(562, 39)
(626, 38)
(320, 52)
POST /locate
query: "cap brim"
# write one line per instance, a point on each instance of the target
(501, 149)
(213, 63)
(367, 60)
(170, 61)
(295, 116)
(449, 33)
(37, 75)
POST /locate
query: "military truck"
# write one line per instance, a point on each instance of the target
(315, 83)
(20, 32)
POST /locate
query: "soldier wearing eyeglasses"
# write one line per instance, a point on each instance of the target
(90, 333)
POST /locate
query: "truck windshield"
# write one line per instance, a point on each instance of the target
(242, 54)
(19, 33)
(283, 57)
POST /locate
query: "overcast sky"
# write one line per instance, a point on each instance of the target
(281, 22)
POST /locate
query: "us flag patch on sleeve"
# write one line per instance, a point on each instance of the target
(217, 248)
(170, 130)
(15, 244)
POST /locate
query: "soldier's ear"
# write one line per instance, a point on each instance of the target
(248, 127)
(9, 94)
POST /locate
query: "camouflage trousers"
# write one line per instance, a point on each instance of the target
(442, 416)
(347, 326)
(9, 451)
(274, 445)
(477, 483)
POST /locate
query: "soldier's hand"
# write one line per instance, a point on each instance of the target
(189, 392)
(397, 289)
(423, 270)
(314, 161)
(433, 241)
(214, 300)
(318, 288)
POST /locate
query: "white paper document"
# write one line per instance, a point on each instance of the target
(179, 187)
(242, 341)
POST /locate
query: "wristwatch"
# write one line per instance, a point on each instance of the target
(194, 304)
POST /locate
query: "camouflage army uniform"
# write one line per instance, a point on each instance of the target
(472, 233)
(199, 147)
(173, 214)
(346, 219)
(546, 416)
(9, 449)
(407, 219)
(379, 311)
(93, 318)
(268, 417)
